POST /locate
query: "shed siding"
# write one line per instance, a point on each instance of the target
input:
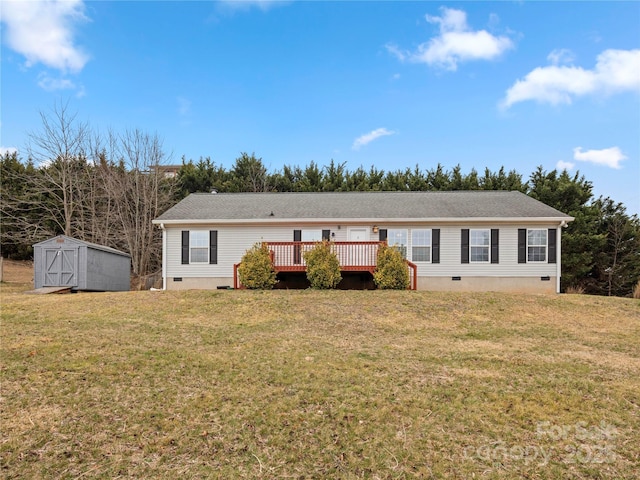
(96, 267)
(106, 271)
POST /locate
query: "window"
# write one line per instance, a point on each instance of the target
(311, 235)
(199, 246)
(398, 238)
(537, 245)
(479, 243)
(421, 245)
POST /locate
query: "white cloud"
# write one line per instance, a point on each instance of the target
(561, 56)
(184, 106)
(9, 150)
(367, 138)
(396, 52)
(615, 71)
(609, 157)
(53, 84)
(263, 5)
(562, 165)
(456, 43)
(43, 31)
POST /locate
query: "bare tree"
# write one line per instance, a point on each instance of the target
(140, 193)
(103, 190)
(59, 152)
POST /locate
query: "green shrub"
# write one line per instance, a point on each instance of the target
(323, 266)
(256, 269)
(391, 272)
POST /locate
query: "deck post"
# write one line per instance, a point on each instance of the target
(413, 275)
(235, 276)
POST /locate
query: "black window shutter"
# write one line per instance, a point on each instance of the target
(326, 234)
(435, 245)
(297, 237)
(213, 246)
(551, 255)
(382, 234)
(494, 245)
(464, 246)
(522, 245)
(185, 247)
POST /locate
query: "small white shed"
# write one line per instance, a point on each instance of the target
(67, 262)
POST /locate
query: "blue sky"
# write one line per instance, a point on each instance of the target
(389, 84)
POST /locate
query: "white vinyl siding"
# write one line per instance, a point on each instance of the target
(508, 267)
(235, 240)
(537, 245)
(421, 245)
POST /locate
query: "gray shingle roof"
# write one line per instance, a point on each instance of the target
(359, 205)
(96, 246)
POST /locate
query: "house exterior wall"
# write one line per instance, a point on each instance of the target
(488, 284)
(235, 240)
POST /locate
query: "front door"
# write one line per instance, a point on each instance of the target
(359, 235)
(59, 267)
(356, 255)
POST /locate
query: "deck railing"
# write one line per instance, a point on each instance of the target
(413, 275)
(353, 257)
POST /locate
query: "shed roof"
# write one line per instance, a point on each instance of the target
(80, 242)
(438, 205)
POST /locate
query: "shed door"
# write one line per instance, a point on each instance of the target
(60, 267)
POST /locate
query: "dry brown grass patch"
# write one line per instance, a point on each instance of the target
(310, 384)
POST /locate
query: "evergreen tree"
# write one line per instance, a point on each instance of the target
(581, 241)
(617, 265)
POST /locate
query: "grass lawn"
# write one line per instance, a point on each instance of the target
(308, 384)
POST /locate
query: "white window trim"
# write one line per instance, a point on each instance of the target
(428, 246)
(544, 245)
(472, 245)
(199, 247)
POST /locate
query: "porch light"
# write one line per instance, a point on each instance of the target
(375, 229)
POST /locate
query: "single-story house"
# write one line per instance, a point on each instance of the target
(460, 240)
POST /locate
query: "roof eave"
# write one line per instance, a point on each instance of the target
(297, 221)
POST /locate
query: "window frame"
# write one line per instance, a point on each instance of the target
(402, 247)
(426, 246)
(543, 246)
(305, 238)
(484, 246)
(193, 234)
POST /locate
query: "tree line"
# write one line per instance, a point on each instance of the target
(77, 182)
(106, 189)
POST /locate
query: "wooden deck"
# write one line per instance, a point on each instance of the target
(353, 257)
